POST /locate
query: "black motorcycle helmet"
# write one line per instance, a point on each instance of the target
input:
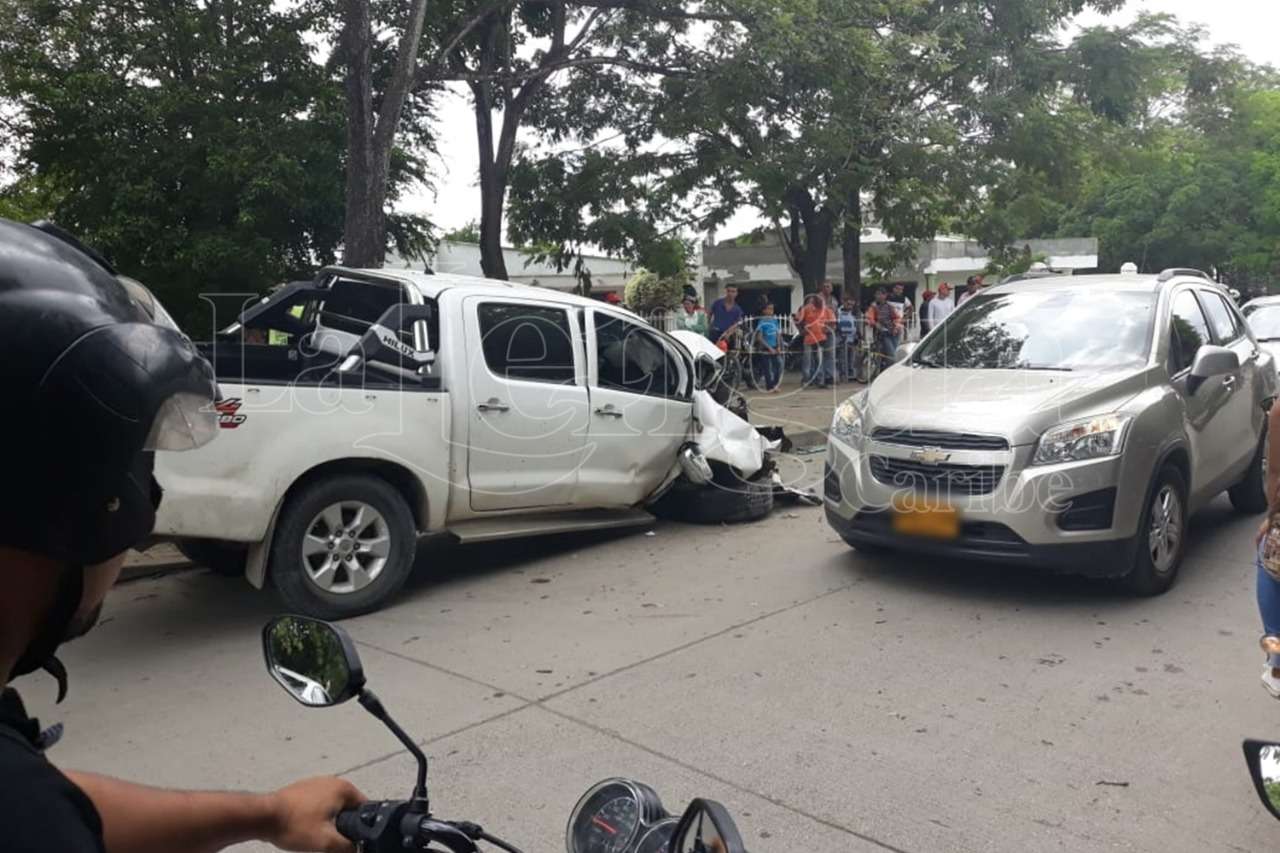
(96, 380)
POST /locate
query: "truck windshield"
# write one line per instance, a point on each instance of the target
(1083, 328)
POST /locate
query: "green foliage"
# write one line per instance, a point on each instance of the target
(1164, 150)
(198, 145)
(469, 233)
(646, 291)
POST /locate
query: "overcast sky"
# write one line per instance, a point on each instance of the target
(1254, 25)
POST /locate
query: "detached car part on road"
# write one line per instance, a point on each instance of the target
(395, 403)
(1073, 423)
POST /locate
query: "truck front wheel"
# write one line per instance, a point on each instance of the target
(343, 546)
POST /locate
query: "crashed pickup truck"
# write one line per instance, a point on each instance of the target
(365, 408)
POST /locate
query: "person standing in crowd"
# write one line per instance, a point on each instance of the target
(926, 323)
(885, 320)
(1268, 544)
(941, 306)
(972, 286)
(902, 303)
(847, 321)
(768, 358)
(814, 318)
(826, 292)
(726, 314)
(691, 318)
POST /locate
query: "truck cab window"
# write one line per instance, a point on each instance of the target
(631, 358)
(530, 342)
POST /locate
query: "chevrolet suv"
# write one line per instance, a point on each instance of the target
(1073, 423)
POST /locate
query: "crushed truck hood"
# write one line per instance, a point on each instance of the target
(724, 437)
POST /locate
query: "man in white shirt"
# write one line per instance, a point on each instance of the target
(940, 306)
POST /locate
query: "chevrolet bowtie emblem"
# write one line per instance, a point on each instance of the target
(930, 455)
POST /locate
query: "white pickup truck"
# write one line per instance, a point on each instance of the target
(390, 404)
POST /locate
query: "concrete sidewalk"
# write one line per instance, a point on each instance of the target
(805, 413)
(155, 560)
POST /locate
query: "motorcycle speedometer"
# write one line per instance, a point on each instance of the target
(612, 816)
(658, 836)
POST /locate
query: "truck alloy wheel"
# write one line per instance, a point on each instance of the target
(344, 545)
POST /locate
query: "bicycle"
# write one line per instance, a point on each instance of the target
(874, 359)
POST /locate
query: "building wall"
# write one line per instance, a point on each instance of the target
(763, 266)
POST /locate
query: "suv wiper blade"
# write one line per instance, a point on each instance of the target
(1267, 340)
(925, 361)
(1042, 367)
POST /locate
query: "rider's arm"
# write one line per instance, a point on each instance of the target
(138, 819)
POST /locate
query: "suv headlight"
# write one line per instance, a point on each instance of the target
(1087, 438)
(846, 426)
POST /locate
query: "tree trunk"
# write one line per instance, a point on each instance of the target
(364, 232)
(808, 237)
(851, 247)
(362, 244)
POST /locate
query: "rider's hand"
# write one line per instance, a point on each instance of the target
(1262, 531)
(304, 813)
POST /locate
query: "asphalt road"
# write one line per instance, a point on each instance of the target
(833, 702)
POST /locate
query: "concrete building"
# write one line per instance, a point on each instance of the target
(608, 275)
(761, 269)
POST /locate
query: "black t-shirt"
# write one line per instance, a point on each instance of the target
(40, 809)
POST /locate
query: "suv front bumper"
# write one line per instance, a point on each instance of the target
(1020, 521)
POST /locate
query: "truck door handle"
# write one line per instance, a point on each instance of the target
(608, 412)
(1230, 383)
(493, 405)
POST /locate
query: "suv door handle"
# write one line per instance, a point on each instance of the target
(493, 405)
(608, 411)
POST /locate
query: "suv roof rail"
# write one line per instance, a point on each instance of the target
(1176, 271)
(1029, 274)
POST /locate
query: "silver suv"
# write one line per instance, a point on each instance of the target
(1073, 423)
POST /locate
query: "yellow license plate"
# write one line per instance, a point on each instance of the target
(930, 521)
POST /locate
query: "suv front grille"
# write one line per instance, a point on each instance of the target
(953, 479)
(938, 438)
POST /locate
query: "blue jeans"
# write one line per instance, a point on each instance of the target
(1269, 606)
(888, 346)
(829, 359)
(769, 370)
(811, 366)
(847, 357)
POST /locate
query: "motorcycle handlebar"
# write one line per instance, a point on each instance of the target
(347, 823)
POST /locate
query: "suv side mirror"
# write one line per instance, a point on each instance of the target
(1213, 361)
(903, 352)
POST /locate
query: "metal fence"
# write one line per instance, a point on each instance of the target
(669, 321)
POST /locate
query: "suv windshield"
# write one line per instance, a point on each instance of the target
(1082, 328)
(1264, 321)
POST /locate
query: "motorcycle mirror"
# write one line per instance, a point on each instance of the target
(706, 827)
(314, 661)
(1263, 759)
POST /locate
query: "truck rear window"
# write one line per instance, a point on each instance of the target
(352, 306)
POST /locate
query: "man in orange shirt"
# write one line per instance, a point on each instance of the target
(816, 319)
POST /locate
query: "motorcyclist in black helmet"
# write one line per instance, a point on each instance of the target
(96, 380)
